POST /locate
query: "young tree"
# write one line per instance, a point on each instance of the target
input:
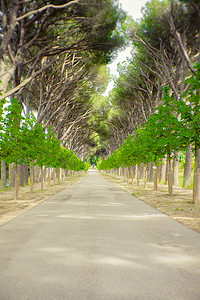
(3, 163)
(190, 116)
(11, 151)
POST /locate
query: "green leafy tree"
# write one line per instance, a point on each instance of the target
(11, 151)
(189, 110)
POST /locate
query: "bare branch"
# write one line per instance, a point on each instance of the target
(46, 7)
(179, 40)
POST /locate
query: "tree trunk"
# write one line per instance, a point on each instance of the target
(141, 168)
(12, 175)
(170, 178)
(54, 176)
(155, 168)
(45, 174)
(49, 176)
(176, 168)
(148, 171)
(137, 174)
(3, 175)
(187, 167)
(162, 170)
(58, 173)
(16, 182)
(26, 174)
(145, 176)
(132, 174)
(31, 178)
(196, 182)
(21, 174)
(127, 172)
(42, 177)
(166, 172)
(151, 171)
(37, 174)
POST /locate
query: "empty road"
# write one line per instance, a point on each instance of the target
(94, 241)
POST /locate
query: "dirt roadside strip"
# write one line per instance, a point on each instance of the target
(10, 209)
(180, 207)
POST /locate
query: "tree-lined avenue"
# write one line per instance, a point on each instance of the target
(95, 241)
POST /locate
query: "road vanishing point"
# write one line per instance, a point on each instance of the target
(94, 241)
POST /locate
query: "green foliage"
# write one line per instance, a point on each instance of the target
(189, 108)
(172, 127)
(24, 141)
(166, 132)
(11, 150)
(93, 160)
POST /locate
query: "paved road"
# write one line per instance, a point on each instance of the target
(94, 241)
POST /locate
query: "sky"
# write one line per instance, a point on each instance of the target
(133, 9)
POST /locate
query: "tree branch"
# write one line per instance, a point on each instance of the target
(46, 7)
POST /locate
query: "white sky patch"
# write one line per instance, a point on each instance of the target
(133, 9)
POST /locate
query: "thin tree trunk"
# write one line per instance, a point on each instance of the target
(58, 172)
(151, 171)
(26, 174)
(21, 175)
(170, 178)
(45, 174)
(127, 172)
(16, 182)
(42, 177)
(124, 171)
(49, 176)
(176, 168)
(155, 178)
(132, 174)
(187, 167)
(166, 172)
(33, 174)
(148, 171)
(54, 176)
(12, 175)
(37, 174)
(137, 175)
(31, 178)
(145, 176)
(141, 168)
(196, 182)
(3, 175)
(162, 170)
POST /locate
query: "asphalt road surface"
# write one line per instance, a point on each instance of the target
(94, 241)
